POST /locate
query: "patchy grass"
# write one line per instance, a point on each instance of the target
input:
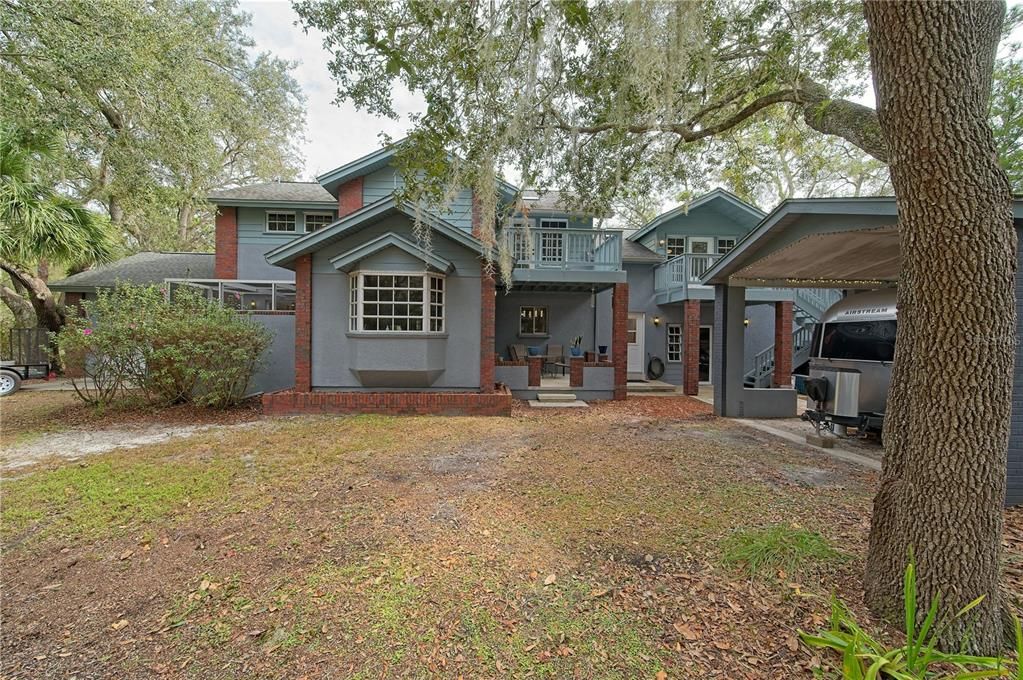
(543, 545)
(779, 550)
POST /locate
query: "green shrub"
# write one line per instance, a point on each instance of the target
(185, 349)
(866, 658)
(767, 551)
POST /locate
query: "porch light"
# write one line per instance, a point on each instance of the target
(745, 322)
(657, 321)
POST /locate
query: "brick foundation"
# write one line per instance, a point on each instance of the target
(691, 347)
(535, 370)
(225, 259)
(349, 197)
(620, 338)
(782, 345)
(304, 323)
(575, 371)
(392, 403)
(488, 322)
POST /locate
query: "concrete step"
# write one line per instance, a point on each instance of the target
(558, 404)
(654, 386)
(555, 396)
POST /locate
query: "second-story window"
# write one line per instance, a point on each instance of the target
(725, 244)
(314, 221)
(675, 246)
(280, 222)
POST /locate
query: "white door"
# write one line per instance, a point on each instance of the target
(698, 246)
(637, 346)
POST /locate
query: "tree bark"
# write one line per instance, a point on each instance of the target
(947, 426)
(22, 310)
(49, 315)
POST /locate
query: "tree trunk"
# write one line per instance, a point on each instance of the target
(49, 315)
(947, 426)
(22, 310)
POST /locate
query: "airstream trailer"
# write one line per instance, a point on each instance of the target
(851, 358)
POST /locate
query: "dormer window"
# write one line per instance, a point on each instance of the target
(280, 222)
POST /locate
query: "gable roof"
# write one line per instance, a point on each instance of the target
(332, 180)
(735, 206)
(366, 215)
(346, 261)
(140, 268)
(304, 193)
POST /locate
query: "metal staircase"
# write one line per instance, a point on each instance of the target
(809, 306)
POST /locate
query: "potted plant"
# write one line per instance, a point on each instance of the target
(577, 350)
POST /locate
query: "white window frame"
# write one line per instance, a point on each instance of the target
(294, 222)
(547, 321)
(552, 223)
(307, 215)
(729, 248)
(673, 335)
(215, 290)
(668, 245)
(356, 302)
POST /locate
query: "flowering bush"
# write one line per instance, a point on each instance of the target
(184, 349)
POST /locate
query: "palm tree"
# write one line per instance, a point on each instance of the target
(39, 225)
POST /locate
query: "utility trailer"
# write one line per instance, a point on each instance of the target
(29, 352)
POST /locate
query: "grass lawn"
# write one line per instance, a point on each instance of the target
(620, 541)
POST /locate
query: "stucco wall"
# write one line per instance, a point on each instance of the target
(277, 371)
(569, 315)
(343, 360)
(254, 243)
(383, 182)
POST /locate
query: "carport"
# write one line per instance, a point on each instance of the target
(845, 243)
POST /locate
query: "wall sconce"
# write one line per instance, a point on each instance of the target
(657, 321)
(745, 322)
(661, 242)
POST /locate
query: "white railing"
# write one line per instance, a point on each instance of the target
(682, 271)
(817, 300)
(583, 249)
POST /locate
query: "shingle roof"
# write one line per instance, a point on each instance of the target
(140, 268)
(274, 192)
(634, 252)
(552, 201)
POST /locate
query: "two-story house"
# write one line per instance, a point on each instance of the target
(366, 317)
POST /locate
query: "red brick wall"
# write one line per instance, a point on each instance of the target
(620, 337)
(535, 369)
(225, 260)
(303, 323)
(691, 347)
(487, 323)
(575, 371)
(72, 303)
(349, 197)
(477, 216)
(392, 403)
(782, 344)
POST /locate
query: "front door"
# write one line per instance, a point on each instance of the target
(637, 352)
(699, 245)
(706, 333)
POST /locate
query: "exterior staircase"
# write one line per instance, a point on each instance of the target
(808, 308)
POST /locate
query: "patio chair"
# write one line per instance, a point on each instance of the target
(555, 358)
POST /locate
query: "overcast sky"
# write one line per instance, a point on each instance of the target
(335, 135)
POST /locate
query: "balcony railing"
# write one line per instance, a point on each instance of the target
(565, 249)
(682, 271)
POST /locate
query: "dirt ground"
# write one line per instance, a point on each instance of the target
(584, 543)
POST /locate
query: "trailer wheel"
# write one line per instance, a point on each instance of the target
(9, 382)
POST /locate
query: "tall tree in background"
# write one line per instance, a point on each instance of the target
(597, 96)
(39, 226)
(157, 102)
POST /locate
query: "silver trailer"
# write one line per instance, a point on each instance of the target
(851, 359)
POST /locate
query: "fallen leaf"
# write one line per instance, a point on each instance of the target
(661, 675)
(119, 624)
(126, 554)
(551, 578)
(685, 631)
(793, 643)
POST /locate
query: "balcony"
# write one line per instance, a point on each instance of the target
(679, 278)
(564, 259)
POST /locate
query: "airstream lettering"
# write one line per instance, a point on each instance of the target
(851, 358)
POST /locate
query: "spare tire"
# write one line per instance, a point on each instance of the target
(817, 389)
(654, 368)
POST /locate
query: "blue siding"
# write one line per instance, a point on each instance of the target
(701, 221)
(385, 181)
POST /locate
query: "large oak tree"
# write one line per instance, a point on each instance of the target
(596, 97)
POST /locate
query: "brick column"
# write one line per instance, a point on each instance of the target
(691, 347)
(782, 344)
(535, 369)
(620, 338)
(575, 371)
(73, 304)
(225, 259)
(304, 323)
(349, 197)
(488, 301)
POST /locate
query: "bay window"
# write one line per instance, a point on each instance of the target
(396, 302)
